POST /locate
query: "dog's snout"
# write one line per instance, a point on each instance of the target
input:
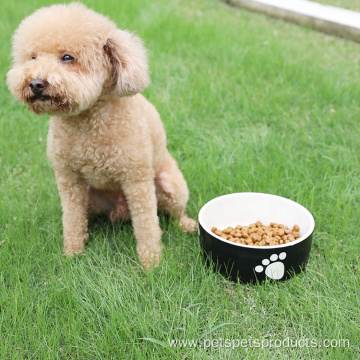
(37, 86)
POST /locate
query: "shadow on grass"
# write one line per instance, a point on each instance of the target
(119, 236)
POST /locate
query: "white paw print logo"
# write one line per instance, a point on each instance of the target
(276, 269)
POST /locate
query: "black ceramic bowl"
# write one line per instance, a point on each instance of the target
(255, 263)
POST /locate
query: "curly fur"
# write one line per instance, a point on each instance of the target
(106, 142)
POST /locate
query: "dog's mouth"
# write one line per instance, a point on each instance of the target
(48, 104)
(41, 98)
(48, 101)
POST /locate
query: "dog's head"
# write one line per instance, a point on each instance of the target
(67, 57)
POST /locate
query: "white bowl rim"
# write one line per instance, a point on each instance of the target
(282, 246)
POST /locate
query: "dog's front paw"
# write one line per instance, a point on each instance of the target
(187, 224)
(74, 247)
(72, 252)
(149, 256)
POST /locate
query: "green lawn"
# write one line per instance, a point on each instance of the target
(346, 4)
(249, 104)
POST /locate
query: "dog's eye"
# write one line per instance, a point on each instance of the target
(33, 57)
(67, 58)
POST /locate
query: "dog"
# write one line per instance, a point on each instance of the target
(106, 142)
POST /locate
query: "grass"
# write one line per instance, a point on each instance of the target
(346, 4)
(249, 104)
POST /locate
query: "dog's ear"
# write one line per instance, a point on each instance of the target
(128, 60)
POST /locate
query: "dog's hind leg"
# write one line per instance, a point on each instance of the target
(172, 193)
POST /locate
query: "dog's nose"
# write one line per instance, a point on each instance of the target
(37, 86)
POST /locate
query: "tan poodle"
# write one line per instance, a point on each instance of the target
(106, 142)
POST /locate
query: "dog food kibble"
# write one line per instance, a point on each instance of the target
(257, 234)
